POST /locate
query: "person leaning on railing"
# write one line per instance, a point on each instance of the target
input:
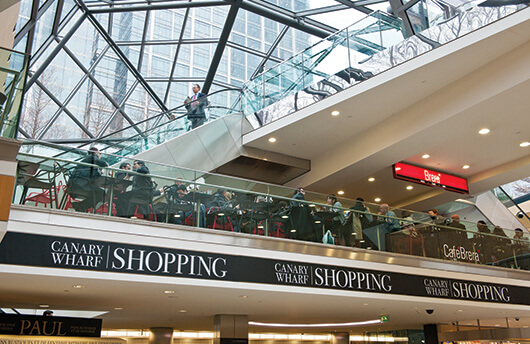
(391, 223)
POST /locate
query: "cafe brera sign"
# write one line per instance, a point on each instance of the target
(80, 254)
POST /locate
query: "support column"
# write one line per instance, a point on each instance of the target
(230, 329)
(8, 171)
(161, 335)
(340, 338)
(431, 333)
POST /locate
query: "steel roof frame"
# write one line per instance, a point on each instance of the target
(290, 19)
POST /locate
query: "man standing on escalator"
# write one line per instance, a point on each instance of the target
(195, 106)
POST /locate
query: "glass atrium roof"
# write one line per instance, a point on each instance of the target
(98, 66)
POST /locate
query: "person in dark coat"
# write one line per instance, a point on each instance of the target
(195, 106)
(83, 181)
(142, 188)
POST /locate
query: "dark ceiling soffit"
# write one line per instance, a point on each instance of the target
(223, 39)
(154, 7)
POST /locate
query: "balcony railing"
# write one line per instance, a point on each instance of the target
(367, 48)
(169, 194)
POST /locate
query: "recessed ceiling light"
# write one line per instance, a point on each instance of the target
(340, 192)
(484, 131)
(293, 230)
(177, 215)
(78, 286)
(465, 167)
(371, 179)
(425, 156)
(335, 113)
(410, 187)
(272, 139)
(377, 199)
(317, 221)
(182, 311)
(243, 296)
(460, 310)
(133, 217)
(118, 309)
(44, 306)
(169, 292)
(398, 168)
(366, 304)
(285, 216)
(524, 144)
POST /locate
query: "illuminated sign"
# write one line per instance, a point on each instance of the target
(428, 177)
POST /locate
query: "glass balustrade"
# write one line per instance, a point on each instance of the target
(368, 47)
(163, 193)
(158, 129)
(337, 52)
(13, 68)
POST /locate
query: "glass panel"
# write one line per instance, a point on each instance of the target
(182, 196)
(13, 68)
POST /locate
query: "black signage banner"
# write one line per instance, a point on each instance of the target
(71, 253)
(34, 325)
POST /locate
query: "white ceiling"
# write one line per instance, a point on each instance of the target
(434, 104)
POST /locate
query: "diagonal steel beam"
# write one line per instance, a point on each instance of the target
(33, 21)
(116, 111)
(31, 24)
(72, 94)
(356, 6)
(400, 10)
(142, 44)
(57, 18)
(288, 20)
(174, 64)
(273, 47)
(51, 38)
(252, 51)
(153, 7)
(100, 87)
(309, 22)
(122, 56)
(55, 51)
(321, 10)
(66, 111)
(169, 42)
(223, 39)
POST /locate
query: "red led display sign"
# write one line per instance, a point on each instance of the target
(428, 177)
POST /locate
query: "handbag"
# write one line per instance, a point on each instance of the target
(328, 238)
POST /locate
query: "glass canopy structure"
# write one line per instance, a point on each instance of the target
(98, 66)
